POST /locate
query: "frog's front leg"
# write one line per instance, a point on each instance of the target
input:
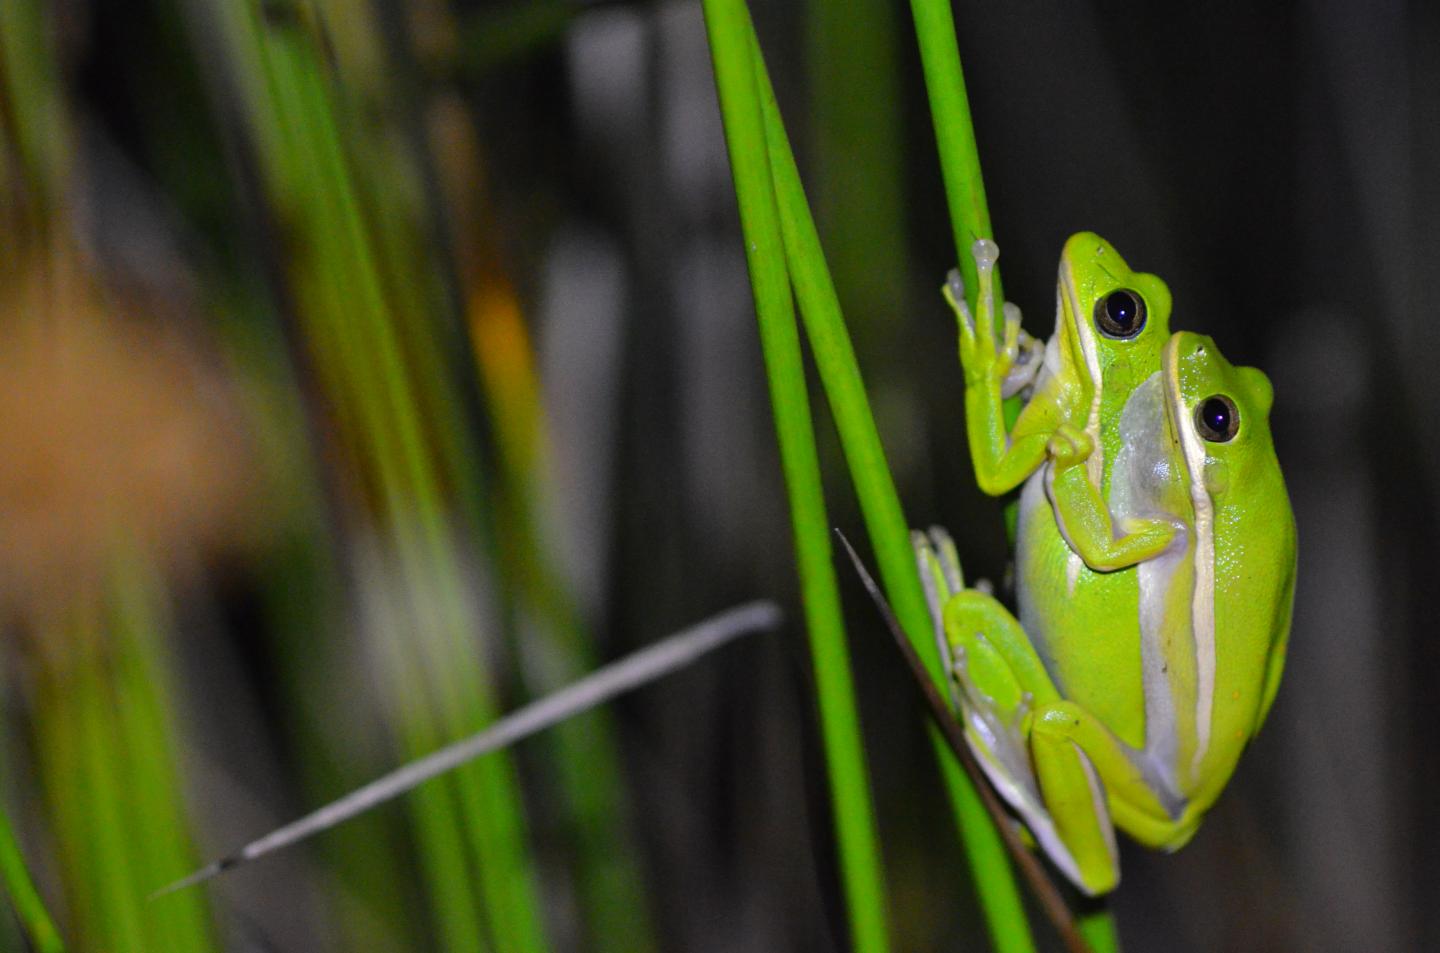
(1084, 519)
(993, 371)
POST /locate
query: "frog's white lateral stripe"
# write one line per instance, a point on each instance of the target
(1095, 465)
(1202, 607)
(1144, 449)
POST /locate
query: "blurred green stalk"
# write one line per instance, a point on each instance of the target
(361, 307)
(101, 722)
(20, 889)
(736, 67)
(37, 120)
(105, 738)
(858, 151)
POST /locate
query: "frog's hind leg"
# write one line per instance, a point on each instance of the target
(997, 680)
(1052, 761)
(1048, 778)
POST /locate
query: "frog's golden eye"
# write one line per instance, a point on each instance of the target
(1217, 418)
(1120, 314)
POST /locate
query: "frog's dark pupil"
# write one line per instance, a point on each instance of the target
(1218, 419)
(1217, 415)
(1121, 314)
(1122, 309)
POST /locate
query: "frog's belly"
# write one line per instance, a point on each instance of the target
(1084, 625)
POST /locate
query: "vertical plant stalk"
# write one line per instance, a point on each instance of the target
(106, 737)
(20, 888)
(884, 519)
(582, 753)
(954, 137)
(732, 51)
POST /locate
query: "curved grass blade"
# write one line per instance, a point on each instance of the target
(954, 135)
(29, 908)
(631, 672)
(857, 848)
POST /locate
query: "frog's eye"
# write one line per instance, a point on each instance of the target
(1217, 418)
(1120, 314)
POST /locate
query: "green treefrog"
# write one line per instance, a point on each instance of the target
(1154, 589)
(1110, 325)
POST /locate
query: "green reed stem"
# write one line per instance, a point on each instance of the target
(24, 898)
(735, 72)
(954, 136)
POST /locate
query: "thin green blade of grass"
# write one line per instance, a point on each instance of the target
(954, 136)
(146, 721)
(36, 118)
(355, 355)
(503, 502)
(861, 872)
(1097, 926)
(107, 747)
(583, 752)
(24, 898)
(300, 587)
(970, 220)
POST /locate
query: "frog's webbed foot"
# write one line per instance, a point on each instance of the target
(940, 577)
(954, 292)
(995, 730)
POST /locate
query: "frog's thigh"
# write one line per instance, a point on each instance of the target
(1000, 659)
(1132, 800)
